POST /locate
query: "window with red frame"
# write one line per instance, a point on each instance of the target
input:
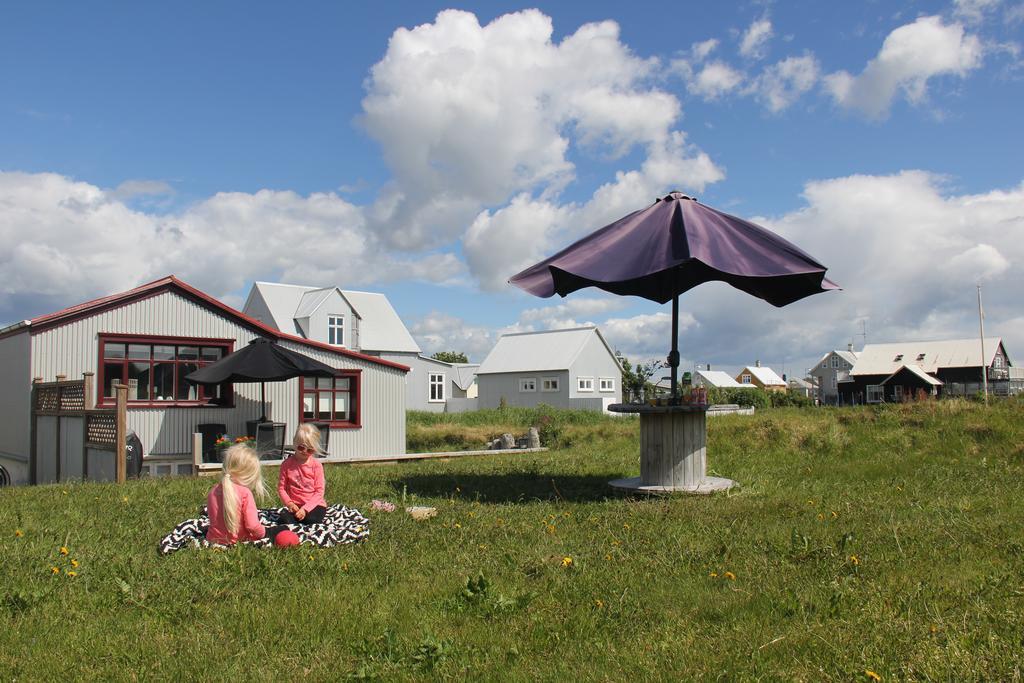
(331, 399)
(155, 371)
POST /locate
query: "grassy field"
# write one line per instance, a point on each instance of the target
(886, 540)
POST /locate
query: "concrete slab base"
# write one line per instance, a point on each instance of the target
(708, 485)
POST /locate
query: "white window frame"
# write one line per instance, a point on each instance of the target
(549, 385)
(874, 393)
(527, 385)
(745, 379)
(835, 362)
(435, 380)
(897, 392)
(585, 384)
(336, 323)
(607, 384)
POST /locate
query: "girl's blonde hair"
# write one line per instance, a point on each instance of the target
(241, 466)
(308, 435)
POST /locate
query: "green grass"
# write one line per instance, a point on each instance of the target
(927, 498)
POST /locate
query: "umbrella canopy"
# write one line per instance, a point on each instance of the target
(672, 246)
(262, 360)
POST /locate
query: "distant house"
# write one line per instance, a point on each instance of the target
(899, 371)
(572, 368)
(761, 377)
(149, 338)
(364, 322)
(831, 369)
(802, 387)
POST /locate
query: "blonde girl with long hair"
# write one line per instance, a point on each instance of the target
(231, 504)
(301, 482)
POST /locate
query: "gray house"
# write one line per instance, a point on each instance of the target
(831, 369)
(364, 322)
(572, 368)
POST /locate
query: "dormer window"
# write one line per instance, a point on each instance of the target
(336, 330)
(920, 357)
(898, 358)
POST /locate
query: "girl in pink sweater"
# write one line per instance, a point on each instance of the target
(231, 505)
(301, 481)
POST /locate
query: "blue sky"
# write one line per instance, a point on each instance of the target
(430, 154)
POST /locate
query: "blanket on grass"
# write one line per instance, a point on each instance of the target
(340, 525)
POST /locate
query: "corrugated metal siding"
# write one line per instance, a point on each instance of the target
(73, 349)
(494, 387)
(15, 398)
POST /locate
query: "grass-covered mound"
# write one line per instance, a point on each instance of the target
(884, 540)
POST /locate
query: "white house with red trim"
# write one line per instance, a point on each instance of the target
(150, 337)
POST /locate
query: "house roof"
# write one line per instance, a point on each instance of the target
(465, 374)
(916, 370)
(930, 356)
(382, 329)
(545, 351)
(171, 283)
(764, 375)
(717, 378)
(849, 356)
(797, 383)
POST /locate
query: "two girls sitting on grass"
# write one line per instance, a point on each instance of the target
(231, 504)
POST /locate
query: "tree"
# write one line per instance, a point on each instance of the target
(636, 381)
(451, 357)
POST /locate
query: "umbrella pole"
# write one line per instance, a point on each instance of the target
(673, 356)
(263, 401)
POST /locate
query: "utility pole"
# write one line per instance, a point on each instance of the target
(984, 365)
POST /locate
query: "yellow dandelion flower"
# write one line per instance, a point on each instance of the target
(472, 514)
(854, 560)
(63, 550)
(72, 574)
(550, 528)
(713, 575)
(821, 517)
(310, 557)
(608, 556)
(730, 576)
(124, 499)
(834, 514)
(616, 543)
(457, 525)
(55, 570)
(872, 675)
(74, 563)
(499, 521)
(18, 533)
(566, 561)
(626, 527)
(810, 502)
(933, 629)
(567, 514)
(599, 604)
(64, 493)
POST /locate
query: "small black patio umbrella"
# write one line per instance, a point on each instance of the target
(672, 246)
(262, 360)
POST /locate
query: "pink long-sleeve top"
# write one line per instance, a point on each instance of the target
(249, 527)
(302, 483)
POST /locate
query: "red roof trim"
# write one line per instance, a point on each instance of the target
(170, 282)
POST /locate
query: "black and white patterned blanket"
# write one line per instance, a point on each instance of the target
(340, 525)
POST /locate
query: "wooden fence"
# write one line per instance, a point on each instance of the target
(71, 439)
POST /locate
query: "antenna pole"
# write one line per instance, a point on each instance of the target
(984, 365)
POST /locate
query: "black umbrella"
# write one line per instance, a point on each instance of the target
(262, 360)
(672, 246)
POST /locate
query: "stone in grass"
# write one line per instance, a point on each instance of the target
(508, 441)
(533, 438)
(421, 513)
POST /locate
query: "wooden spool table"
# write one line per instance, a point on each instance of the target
(673, 450)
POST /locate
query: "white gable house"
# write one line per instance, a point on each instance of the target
(364, 322)
(572, 368)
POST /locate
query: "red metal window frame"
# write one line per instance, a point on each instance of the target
(226, 346)
(355, 391)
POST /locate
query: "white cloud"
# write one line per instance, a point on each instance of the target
(782, 83)
(440, 331)
(754, 43)
(470, 117)
(73, 240)
(910, 56)
(714, 80)
(701, 50)
(973, 11)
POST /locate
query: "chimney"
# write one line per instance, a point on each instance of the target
(709, 367)
(757, 363)
(849, 347)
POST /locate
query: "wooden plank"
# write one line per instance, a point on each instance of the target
(197, 452)
(120, 455)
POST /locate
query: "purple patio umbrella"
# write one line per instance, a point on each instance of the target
(672, 246)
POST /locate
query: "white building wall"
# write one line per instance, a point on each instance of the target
(333, 305)
(417, 382)
(595, 361)
(73, 348)
(494, 387)
(15, 405)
